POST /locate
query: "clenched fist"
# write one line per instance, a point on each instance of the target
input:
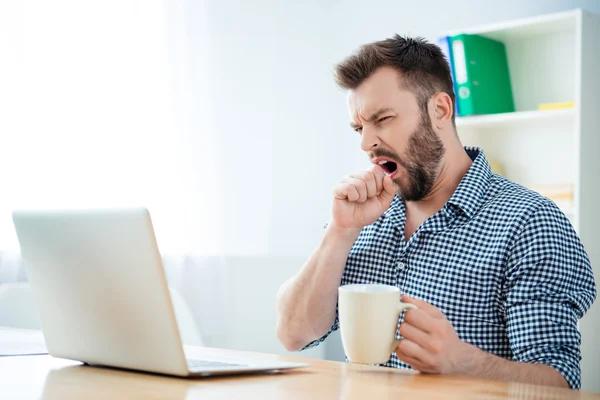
(361, 198)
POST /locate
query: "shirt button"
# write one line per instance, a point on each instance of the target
(401, 265)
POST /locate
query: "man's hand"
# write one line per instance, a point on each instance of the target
(431, 345)
(430, 342)
(359, 199)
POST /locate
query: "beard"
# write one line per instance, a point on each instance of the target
(421, 161)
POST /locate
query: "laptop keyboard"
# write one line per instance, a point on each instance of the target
(195, 364)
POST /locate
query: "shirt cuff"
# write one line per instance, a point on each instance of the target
(320, 340)
(562, 359)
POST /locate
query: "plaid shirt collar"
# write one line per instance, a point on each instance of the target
(468, 196)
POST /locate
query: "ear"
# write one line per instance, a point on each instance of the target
(443, 109)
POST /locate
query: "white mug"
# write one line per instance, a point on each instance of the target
(368, 316)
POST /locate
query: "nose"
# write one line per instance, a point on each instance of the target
(369, 140)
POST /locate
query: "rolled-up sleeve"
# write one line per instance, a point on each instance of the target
(320, 340)
(549, 285)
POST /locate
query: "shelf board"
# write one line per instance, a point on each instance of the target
(519, 117)
(518, 29)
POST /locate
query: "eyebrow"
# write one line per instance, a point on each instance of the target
(373, 117)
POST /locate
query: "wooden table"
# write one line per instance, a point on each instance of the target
(45, 377)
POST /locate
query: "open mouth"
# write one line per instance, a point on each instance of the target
(389, 167)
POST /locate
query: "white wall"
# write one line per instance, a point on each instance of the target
(284, 124)
(276, 105)
(232, 299)
(253, 283)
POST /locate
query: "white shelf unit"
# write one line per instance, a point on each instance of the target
(517, 118)
(552, 58)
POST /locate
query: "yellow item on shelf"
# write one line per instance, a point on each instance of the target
(555, 106)
(561, 194)
(555, 191)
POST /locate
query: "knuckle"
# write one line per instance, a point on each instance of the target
(444, 334)
(402, 329)
(339, 187)
(401, 346)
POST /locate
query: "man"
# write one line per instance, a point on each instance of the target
(497, 272)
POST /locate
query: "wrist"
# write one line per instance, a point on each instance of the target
(342, 233)
(470, 360)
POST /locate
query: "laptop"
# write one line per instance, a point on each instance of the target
(101, 292)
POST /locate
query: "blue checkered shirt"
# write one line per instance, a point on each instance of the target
(501, 262)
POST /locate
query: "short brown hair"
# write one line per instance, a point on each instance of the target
(422, 65)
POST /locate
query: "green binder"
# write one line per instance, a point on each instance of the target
(482, 77)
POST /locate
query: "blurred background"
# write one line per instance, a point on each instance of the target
(220, 116)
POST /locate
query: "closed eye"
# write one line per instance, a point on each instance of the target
(380, 120)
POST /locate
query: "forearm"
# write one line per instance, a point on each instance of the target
(306, 302)
(480, 364)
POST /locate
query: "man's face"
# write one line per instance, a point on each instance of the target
(395, 133)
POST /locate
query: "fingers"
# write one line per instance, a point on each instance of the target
(366, 184)
(378, 174)
(345, 191)
(421, 320)
(409, 350)
(413, 362)
(414, 334)
(430, 309)
(389, 191)
(360, 186)
(373, 188)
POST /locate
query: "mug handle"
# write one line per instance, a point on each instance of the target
(401, 307)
